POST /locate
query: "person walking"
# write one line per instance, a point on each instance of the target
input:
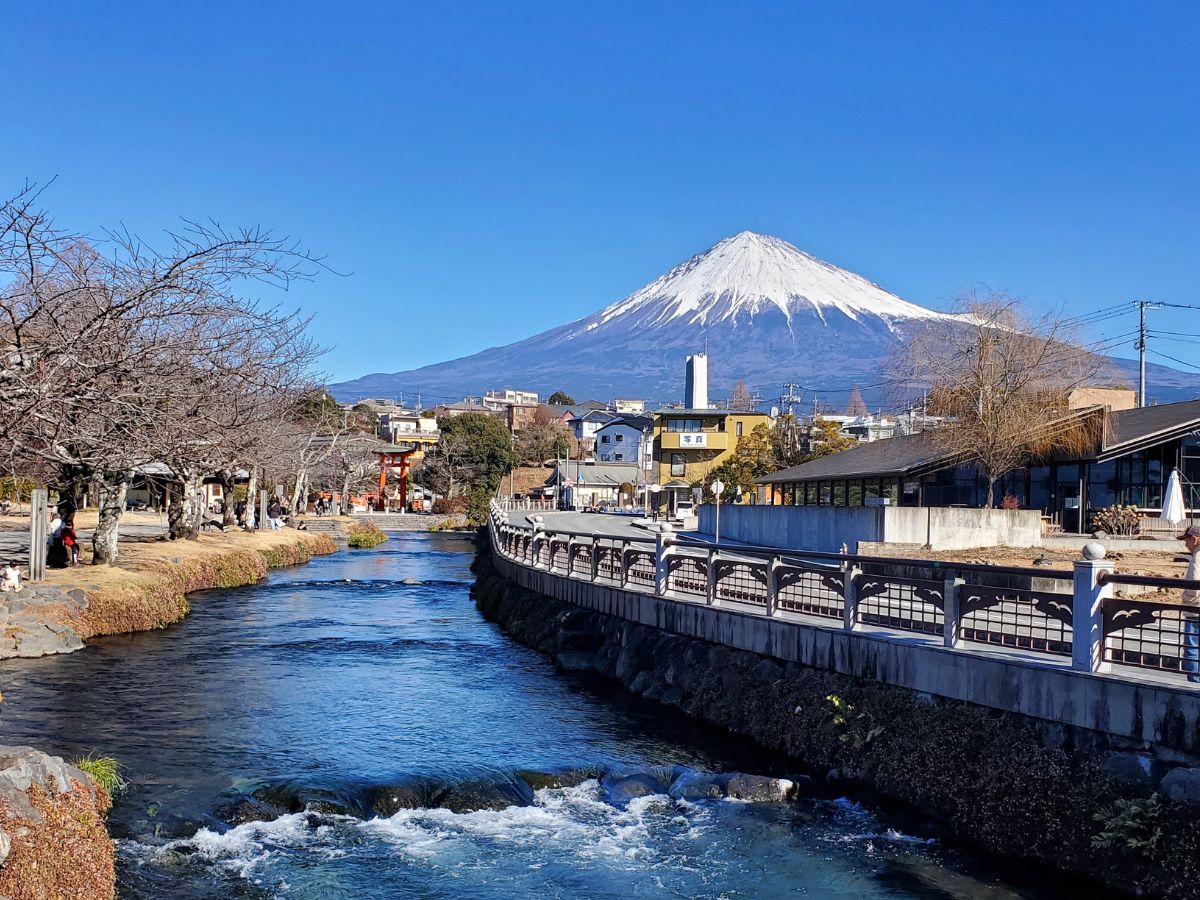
(1191, 599)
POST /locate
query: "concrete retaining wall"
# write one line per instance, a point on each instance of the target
(826, 528)
(1123, 707)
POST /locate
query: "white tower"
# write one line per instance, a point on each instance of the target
(695, 390)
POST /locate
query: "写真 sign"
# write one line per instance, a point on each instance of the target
(690, 439)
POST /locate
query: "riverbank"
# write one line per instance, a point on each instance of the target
(53, 839)
(148, 587)
(1004, 784)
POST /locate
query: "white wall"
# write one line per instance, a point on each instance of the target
(826, 528)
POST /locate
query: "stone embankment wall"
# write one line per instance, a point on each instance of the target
(53, 842)
(1009, 784)
(44, 619)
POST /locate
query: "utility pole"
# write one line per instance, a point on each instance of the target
(789, 398)
(1142, 306)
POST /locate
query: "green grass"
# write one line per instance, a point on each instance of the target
(106, 770)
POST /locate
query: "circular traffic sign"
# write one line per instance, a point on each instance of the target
(655, 488)
(718, 487)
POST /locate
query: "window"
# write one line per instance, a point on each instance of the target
(839, 493)
(677, 463)
(810, 493)
(683, 425)
(618, 456)
(604, 438)
(739, 429)
(721, 425)
(620, 438)
(854, 495)
(826, 493)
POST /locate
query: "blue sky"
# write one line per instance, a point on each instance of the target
(485, 171)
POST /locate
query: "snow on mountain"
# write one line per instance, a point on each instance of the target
(747, 273)
(767, 312)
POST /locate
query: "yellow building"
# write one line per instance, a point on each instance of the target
(689, 443)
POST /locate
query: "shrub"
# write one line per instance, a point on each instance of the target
(105, 770)
(1130, 824)
(1010, 502)
(1117, 520)
(364, 535)
(449, 506)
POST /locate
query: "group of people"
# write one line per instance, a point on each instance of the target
(62, 543)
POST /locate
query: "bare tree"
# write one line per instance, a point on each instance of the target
(120, 355)
(542, 438)
(1003, 379)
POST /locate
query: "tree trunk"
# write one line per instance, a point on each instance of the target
(298, 491)
(229, 519)
(112, 505)
(991, 492)
(344, 504)
(185, 515)
(252, 500)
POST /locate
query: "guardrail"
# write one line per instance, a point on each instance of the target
(1095, 630)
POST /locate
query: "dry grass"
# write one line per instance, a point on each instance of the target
(67, 854)
(147, 588)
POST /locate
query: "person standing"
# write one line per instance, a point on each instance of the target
(70, 541)
(1191, 599)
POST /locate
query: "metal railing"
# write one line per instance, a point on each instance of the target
(962, 603)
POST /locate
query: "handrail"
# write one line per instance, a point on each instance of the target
(1099, 632)
(940, 564)
(1159, 581)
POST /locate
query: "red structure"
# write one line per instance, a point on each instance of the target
(390, 460)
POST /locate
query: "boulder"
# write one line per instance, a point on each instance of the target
(698, 786)
(758, 788)
(1130, 767)
(621, 788)
(1182, 784)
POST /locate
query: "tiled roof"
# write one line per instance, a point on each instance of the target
(892, 456)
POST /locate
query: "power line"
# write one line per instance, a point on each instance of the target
(1175, 360)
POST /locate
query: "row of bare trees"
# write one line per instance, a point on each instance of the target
(120, 357)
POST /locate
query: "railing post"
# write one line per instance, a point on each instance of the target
(535, 545)
(850, 596)
(1087, 609)
(773, 568)
(621, 568)
(951, 611)
(38, 503)
(710, 595)
(662, 556)
(595, 557)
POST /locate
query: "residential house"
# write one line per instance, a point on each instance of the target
(585, 426)
(629, 407)
(1128, 464)
(625, 439)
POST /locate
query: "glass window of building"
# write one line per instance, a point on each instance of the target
(739, 429)
(826, 493)
(839, 493)
(854, 493)
(677, 465)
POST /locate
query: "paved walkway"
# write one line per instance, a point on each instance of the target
(14, 534)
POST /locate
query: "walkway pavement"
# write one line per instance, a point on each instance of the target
(135, 528)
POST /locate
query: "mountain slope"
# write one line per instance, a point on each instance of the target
(767, 312)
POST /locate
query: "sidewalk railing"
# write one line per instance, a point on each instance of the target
(962, 605)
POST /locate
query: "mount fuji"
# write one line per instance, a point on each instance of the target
(766, 311)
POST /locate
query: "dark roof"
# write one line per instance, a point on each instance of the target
(710, 412)
(1136, 429)
(903, 455)
(640, 423)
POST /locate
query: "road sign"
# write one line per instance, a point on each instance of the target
(718, 487)
(655, 488)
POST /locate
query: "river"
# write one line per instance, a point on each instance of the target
(370, 672)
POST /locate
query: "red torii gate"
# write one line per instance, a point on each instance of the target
(391, 459)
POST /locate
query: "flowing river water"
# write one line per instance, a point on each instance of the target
(369, 675)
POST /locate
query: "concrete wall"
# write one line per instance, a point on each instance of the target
(826, 528)
(820, 528)
(1161, 715)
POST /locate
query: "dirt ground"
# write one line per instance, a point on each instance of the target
(1128, 562)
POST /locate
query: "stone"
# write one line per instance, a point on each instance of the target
(758, 788)
(698, 786)
(1182, 784)
(1093, 550)
(1129, 767)
(5, 846)
(575, 662)
(623, 788)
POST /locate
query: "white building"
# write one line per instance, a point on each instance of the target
(626, 439)
(629, 407)
(584, 427)
(508, 397)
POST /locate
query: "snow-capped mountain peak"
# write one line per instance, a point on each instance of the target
(748, 273)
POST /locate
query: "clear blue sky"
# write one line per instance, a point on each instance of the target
(486, 170)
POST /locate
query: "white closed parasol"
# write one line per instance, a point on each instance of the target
(1173, 510)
